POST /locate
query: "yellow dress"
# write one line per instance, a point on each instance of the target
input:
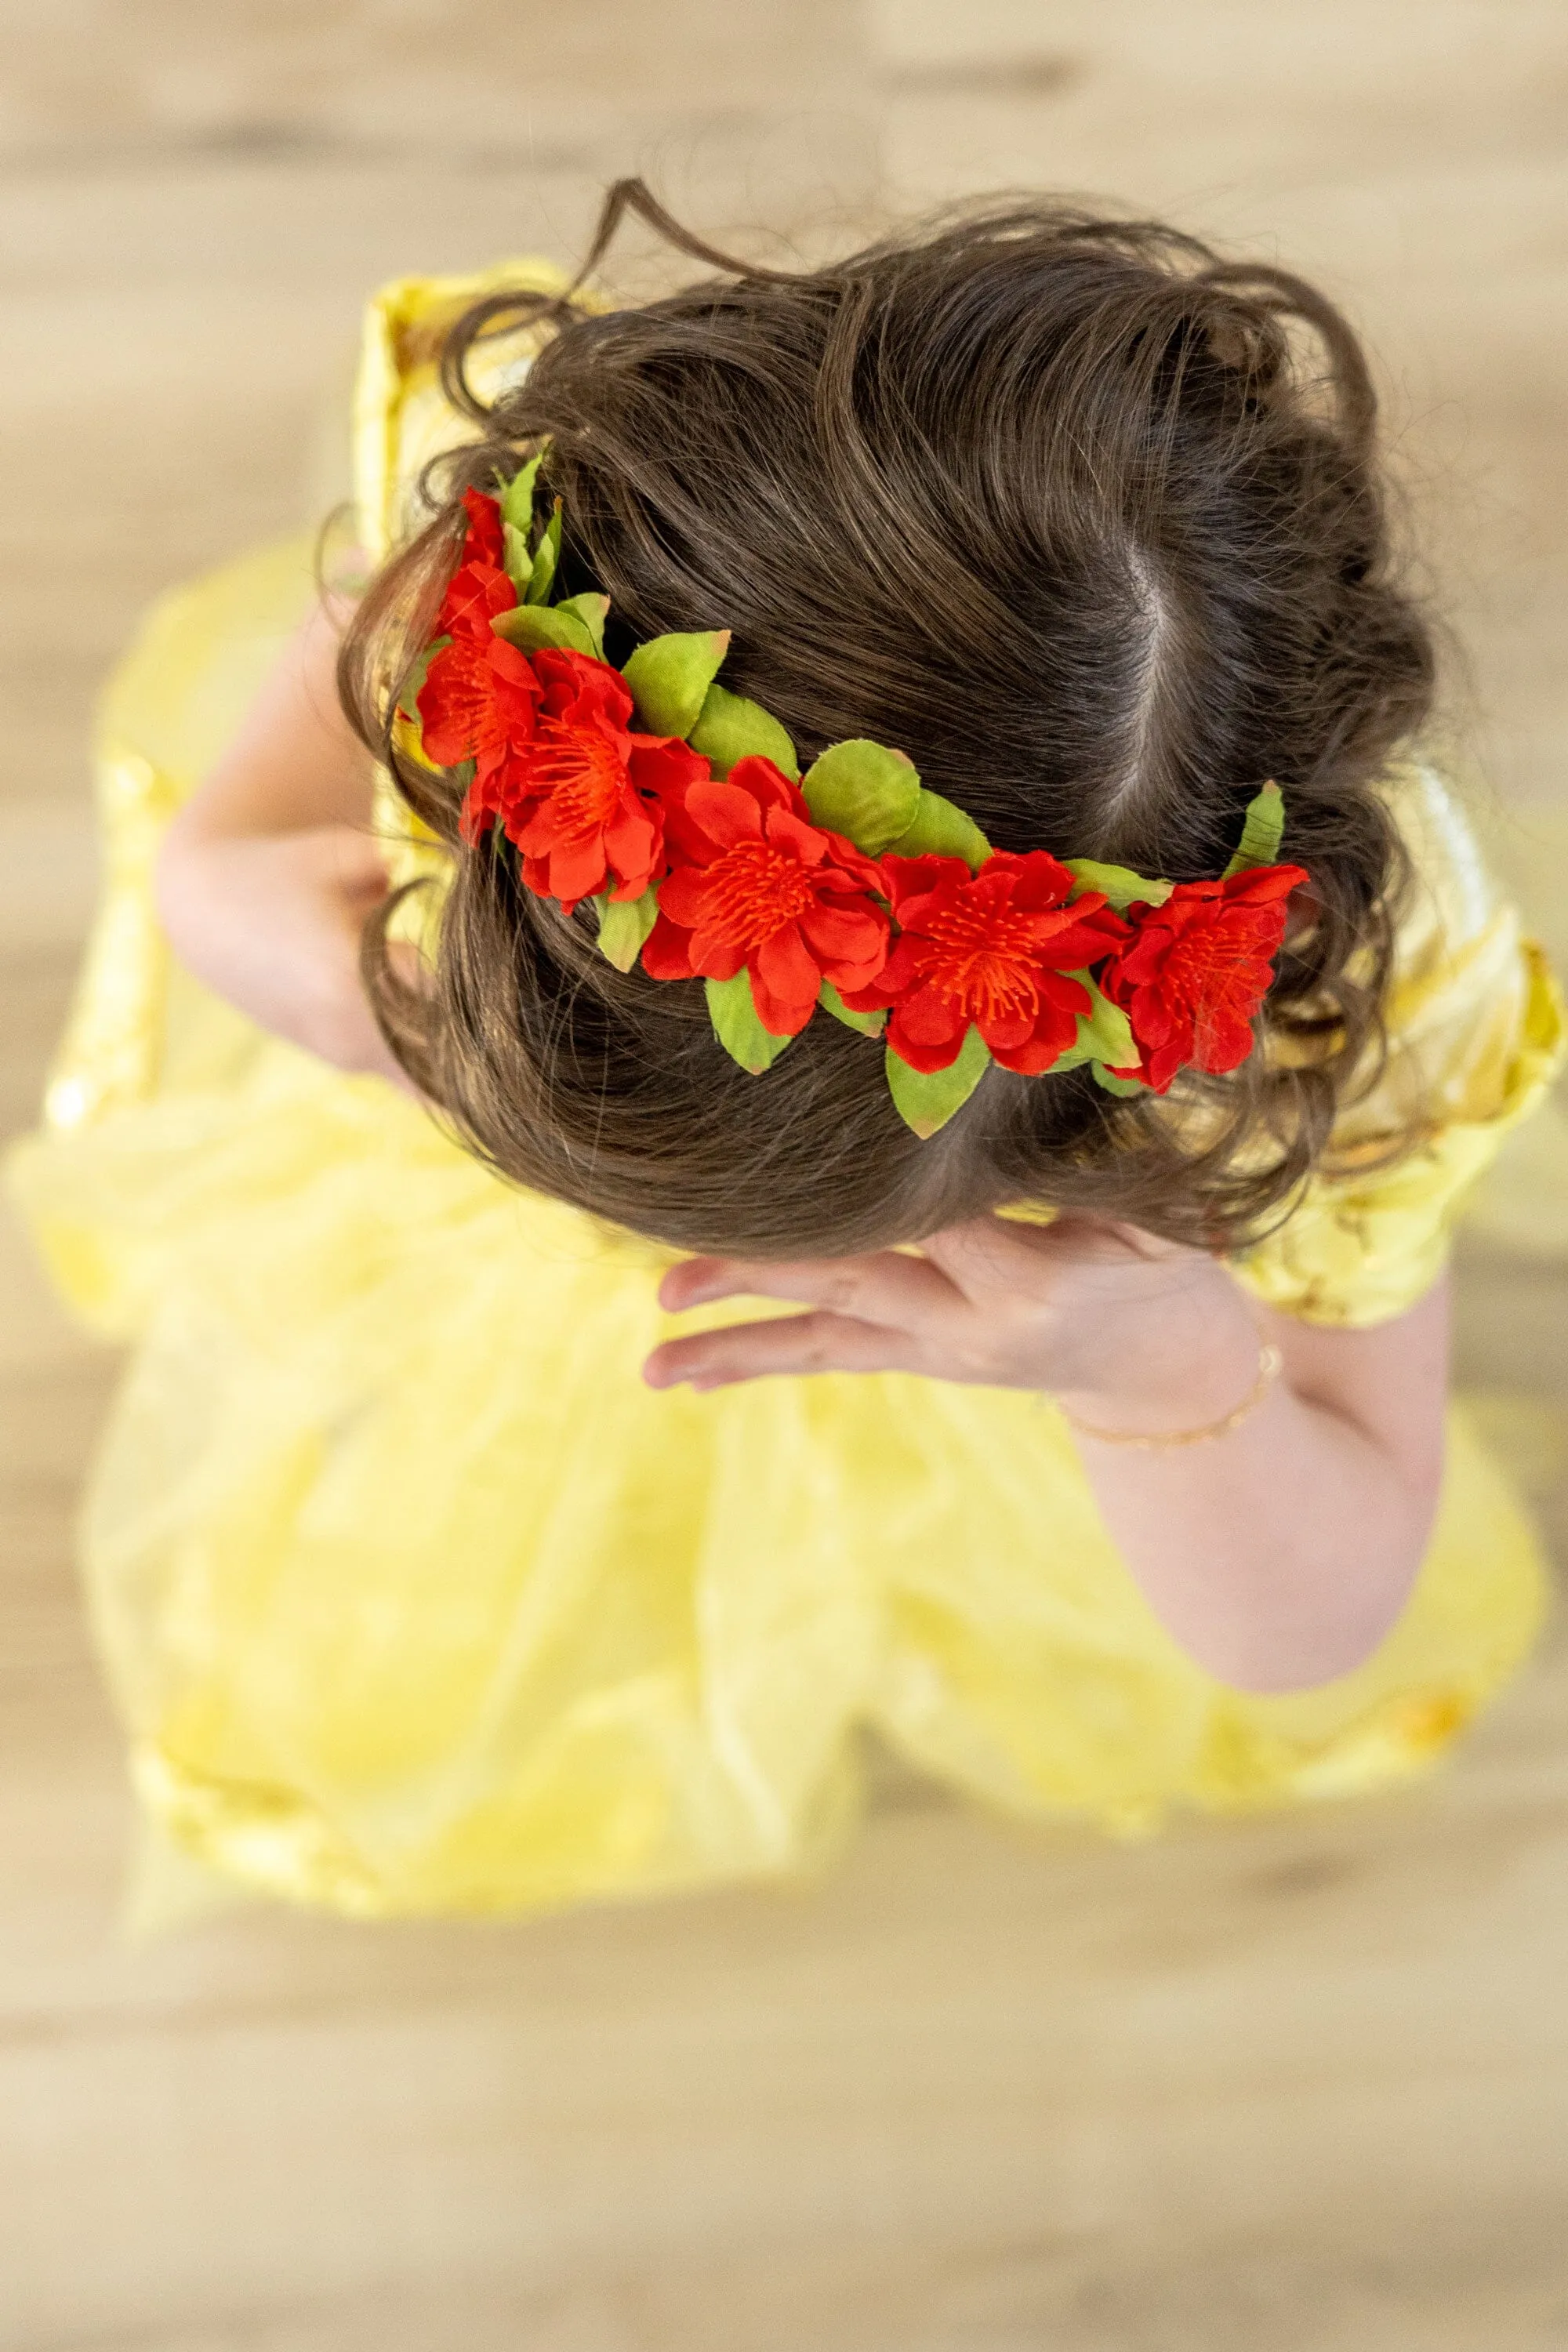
(414, 1598)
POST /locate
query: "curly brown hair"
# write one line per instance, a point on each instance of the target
(1084, 517)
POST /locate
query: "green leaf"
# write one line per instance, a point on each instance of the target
(1111, 1083)
(940, 830)
(531, 572)
(518, 560)
(927, 1100)
(546, 556)
(731, 728)
(869, 1025)
(1104, 1040)
(1122, 886)
(737, 1027)
(408, 699)
(515, 498)
(578, 625)
(623, 925)
(1262, 830)
(1104, 1032)
(591, 611)
(863, 790)
(669, 677)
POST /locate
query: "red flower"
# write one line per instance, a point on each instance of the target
(994, 949)
(758, 887)
(486, 539)
(1195, 971)
(480, 586)
(477, 702)
(582, 797)
(478, 696)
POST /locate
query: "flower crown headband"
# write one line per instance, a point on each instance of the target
(679, 808)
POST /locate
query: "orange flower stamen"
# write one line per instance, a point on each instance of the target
(1206, 970)
(752, 891)
(982, 960)
(584, 774)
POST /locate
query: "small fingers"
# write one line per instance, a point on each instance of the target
(885, 1286)
(797, 1343)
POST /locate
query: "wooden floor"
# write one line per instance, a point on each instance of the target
(1291, 2086)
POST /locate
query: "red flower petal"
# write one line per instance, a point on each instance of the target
(806, 840)
(479, 585)
(571, 803)
(578, 870)
(473, 706)
(664, 767)
(1153, 1022)
(1053, 1031)
(788, 967)
(781, 1016)
(754, 882)
(914, 880)
(485, 540)
(1041, 880)
(579, 691)
(1195, 971)
(1263, 885)
(1221, 1039)
(971, 946)
(844, 933)
(667, 951)
(897, 976)
(474, 595)
(930, 1017)
(1005, 1033)
(767, 784)
(683, 895)
(727, 815)
(926, 1033)
(634, 849)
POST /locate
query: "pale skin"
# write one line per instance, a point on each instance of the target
(1278, 1554)
(269, 871)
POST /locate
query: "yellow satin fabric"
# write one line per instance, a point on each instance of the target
(414, 1598)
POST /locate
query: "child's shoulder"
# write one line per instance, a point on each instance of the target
(1476, 1033)
(1474, 1005)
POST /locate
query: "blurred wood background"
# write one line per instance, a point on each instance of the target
(1295, 2085)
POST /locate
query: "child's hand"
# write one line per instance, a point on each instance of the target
(272, 923)
(1278, 1556)
(1133, 1331)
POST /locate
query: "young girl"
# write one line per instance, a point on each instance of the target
(976, 879)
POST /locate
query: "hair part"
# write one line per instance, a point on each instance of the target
(1081, 515)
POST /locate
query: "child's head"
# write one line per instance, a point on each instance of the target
(1081, 518)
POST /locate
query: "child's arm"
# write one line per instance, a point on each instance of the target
(1278, 1554)
(267, 874)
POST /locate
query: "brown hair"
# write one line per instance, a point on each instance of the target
(1081, 515)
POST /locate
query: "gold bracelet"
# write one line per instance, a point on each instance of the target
(1269, 1364)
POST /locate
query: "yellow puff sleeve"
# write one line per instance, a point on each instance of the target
(403, 420)
(401, 417)
(1477, 1034)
